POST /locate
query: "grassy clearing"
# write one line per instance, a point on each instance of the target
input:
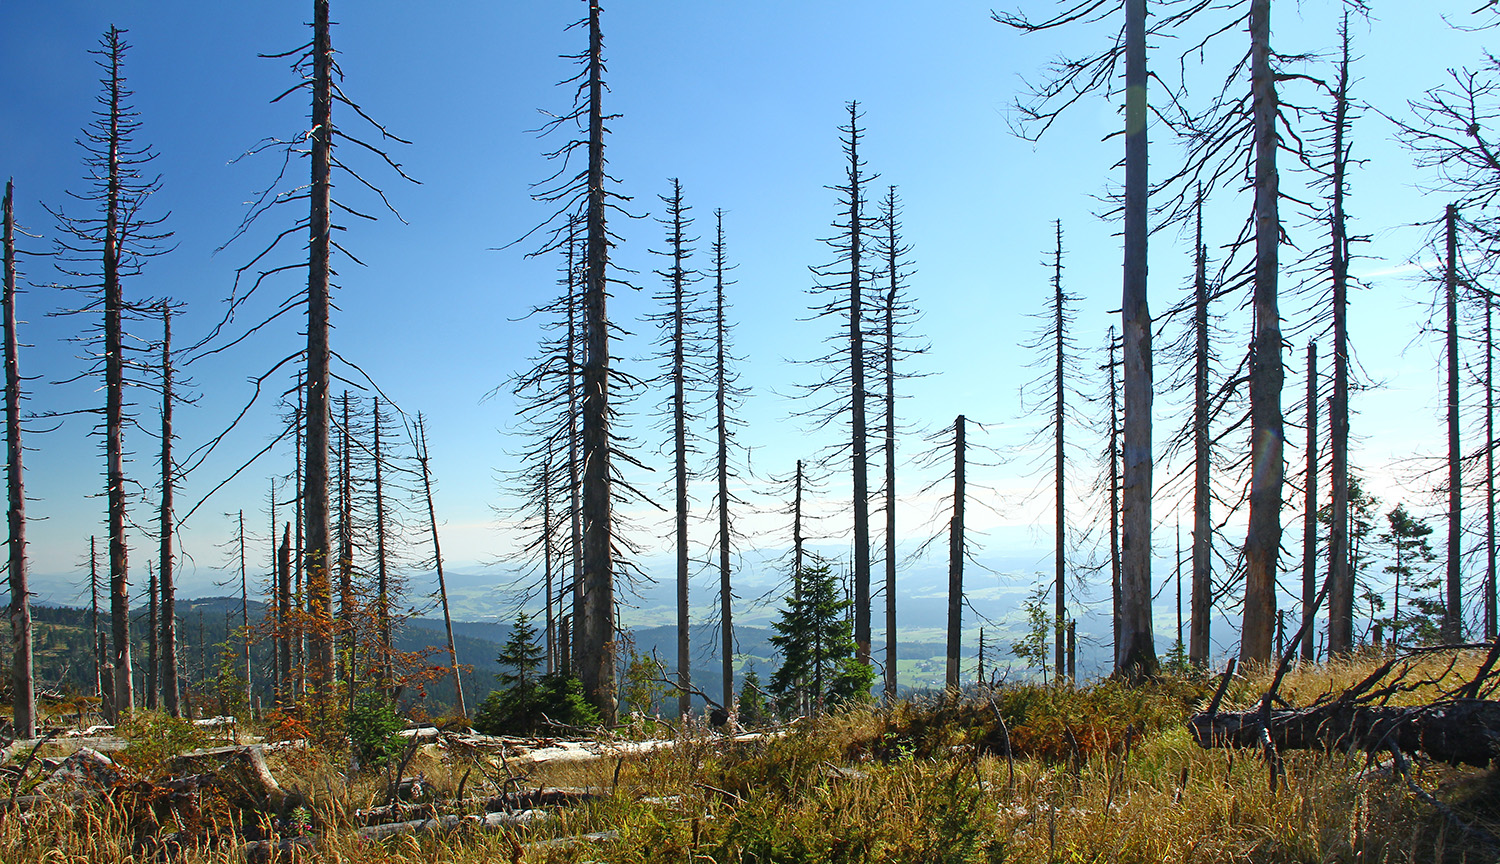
(1102, 773)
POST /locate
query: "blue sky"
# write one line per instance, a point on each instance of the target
(739, 100)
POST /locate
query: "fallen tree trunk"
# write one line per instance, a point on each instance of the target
(1459, 731)
(449, 823)
(523, 800)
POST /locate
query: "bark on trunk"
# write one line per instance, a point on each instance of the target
(889, 334)
(1202, 600)
(596, 630)
(1060, 521)
(859, 435)
(382, 571)
(1340, 568)
(1452, 626)
(721, 435)
(956, 557)
(1263, 537)
(167, 563)
(284, 688)
(1310, 505)
(114, 403)
(315, 486)
(437, 557)
(23, 685)
(1135, 648)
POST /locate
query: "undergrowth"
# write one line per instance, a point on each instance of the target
(1099, 773)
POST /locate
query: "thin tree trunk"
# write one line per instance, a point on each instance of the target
(245, 620)
(347, 672)
(575, 513)
(23, 684)
(97, 638)
(547, 564)
(721, 442)
(859, 439)
(437, 558)
(278, 611)
(1060, 519)
(382, 571)
(1452, 627)
(1489, 467)
(1310, 507)
(1263, 537)
(166, 566)
(956, 557)
(596, 630)
(285, 688)
(1199, 618)
(1135, 649)
(297, 559)
(892, 261)
(1340, 566)
(1114, 501)
(153, 645)
(315, 487)
(679, 460)
(114, 403)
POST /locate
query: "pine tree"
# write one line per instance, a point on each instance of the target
(1407, 541)
(815, 637)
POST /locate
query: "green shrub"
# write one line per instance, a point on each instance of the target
(373, 727)
(154, 737)
(525, 707)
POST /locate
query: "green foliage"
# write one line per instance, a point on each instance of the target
(751, 706)
(817, 646)
(522, 653)
(1034, 645)
(373, 727)
(522, 710)
(154, 737)
(643, 690)
(1421, 618)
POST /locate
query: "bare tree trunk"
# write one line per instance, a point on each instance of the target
(956, 558)
(575, 513)
(278, 611)
(153, 657)
(245, 620)
(114, 402)
(721, 445)
(285, 688)
(678, 375)
(315, 488)
(1114, 501)
(437, 557)
(859, 436)
(1340, 565)
(1202, 601)
(1489, 467)
(596, 630)
(1310, 507)
(382, 572)
(23, 685)
(167, 564)
(547, 564)
(893, 250)
(1263, 537)
(97, 638)
(1060, 519)
(346, 624)
(1135, 649)
(1452, 626)
(297, 558)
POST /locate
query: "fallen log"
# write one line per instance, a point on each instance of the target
(526, 799)
(1458, 731)
(439, 824)
(241, 772)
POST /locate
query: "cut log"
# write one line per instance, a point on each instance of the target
(241, 773)
(1459, 732)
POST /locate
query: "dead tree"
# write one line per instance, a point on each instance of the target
(23, 683)
(1310, 503)
(956, 557)
(728, 396)
(895, 315)
(167, 524)
(1452, 626)
(682, 347)
(841, 390)
(423, 457)
(120, 239)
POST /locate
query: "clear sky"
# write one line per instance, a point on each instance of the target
(739, 100)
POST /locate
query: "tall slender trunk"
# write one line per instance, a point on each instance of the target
(721, 444)
(1199, 623)
(96, 640)
(1310, 506)
(679, 458)
(23, 685)
(1114, 501)
(596, 630)
(1489, 467)
(1340, 565)
(167, 565)
(297, 560)
(345, 629)
(153, 645)
(382, 570)
(114, 400)
(1135, 649)
(575, 512)
(805, 705)
(1060, 520)
(245, 620)
(437, 558)
(956, 557)
(547, 562)
(1263, 536)
(285, 688)
(1452, 627)
(889, 333)
(315, 487)
(859, 437)
(278, 611)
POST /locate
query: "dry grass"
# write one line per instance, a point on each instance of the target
(921, 784)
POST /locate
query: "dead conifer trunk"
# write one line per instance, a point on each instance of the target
(956, 558)
(1202, 591)
(285, 691)
(153, 657)
(23, 684)
(1060, 520)
(437, 557)
(1310, 506)
(167, 526)
(1452, 625)
(382, 572)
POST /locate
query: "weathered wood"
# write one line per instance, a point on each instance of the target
(1459, 732)
(448, 823)
(528, 799)
(242, 772)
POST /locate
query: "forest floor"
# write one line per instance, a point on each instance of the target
(1073, 774)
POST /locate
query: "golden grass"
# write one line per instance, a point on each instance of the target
(873, 786)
